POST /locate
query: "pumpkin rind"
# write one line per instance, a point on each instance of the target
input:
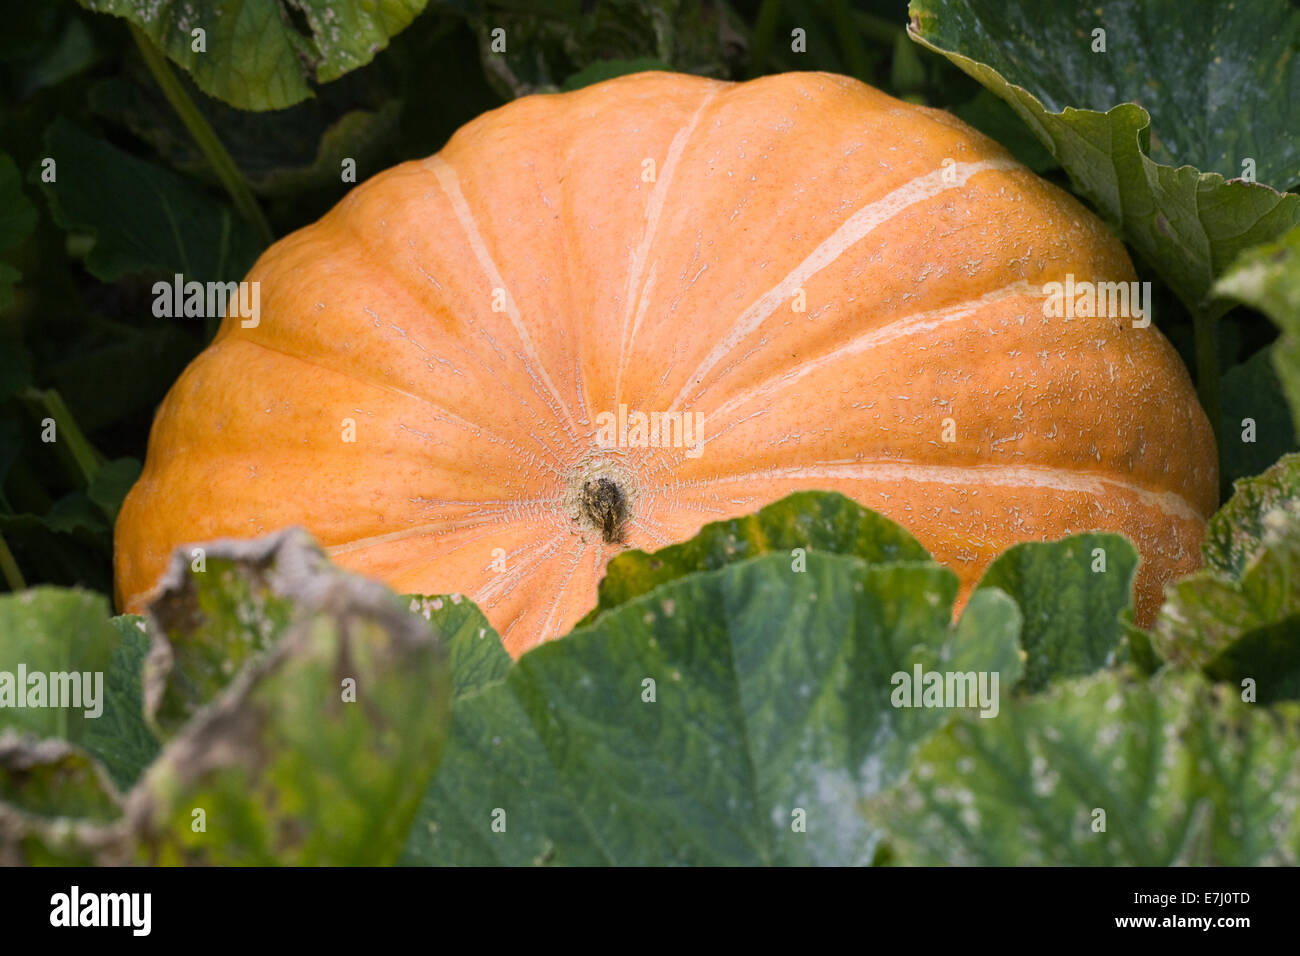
(918, 245)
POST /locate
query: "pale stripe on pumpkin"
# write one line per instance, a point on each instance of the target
(450, 183)
(1008, 476)
(854, 229)
(906, 325)
(637, 293)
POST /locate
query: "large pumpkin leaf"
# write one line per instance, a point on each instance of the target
(1071, 595)
(318, 750)
(816, 520)
(1240, 616)
(120, 738)
(55, 795)
(1268, 278)
(55, 641)
(474, 650)
(730, 716)
(261, 54)
(144, 218)
(1151, 130)
(1106, 770)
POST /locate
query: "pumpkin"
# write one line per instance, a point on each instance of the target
(601, 319)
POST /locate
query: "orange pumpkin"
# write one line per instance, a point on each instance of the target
(836, 289)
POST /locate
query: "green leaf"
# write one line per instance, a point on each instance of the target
(806, 520)
(1210, 98)
(80, 557)
(17, 220)
(55, 798)
(145, 219)
(549, 42)
(771, 704)
(90, 378)
(1257, 427)
(1268, 278)
(1249, 593)
(1136, 649)
(603, 70)
(72, 52)
(317, 752)
(280, 154)
(261, 54)
(73, 512)
(474, 650)
(111, 483)
(1265, 659)
(1184, 772)
(1071, 609)
(120, 738)
(51, 631)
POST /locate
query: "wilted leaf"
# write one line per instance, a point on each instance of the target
(319, 749)
(50, 779)
(57, 806)
(218, 607)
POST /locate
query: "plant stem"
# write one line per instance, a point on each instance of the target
(764, 34)
(83, 459)
(222, 164)
(1207, 371)
(9, 568)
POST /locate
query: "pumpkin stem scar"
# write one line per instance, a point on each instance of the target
(606, 507)
(602, 495)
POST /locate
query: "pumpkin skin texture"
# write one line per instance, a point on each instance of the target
(646, 242)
